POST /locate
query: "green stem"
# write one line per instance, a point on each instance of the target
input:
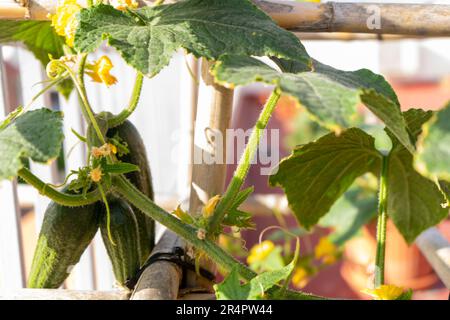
(381, 225)
(122, 116)
(70, 200)
(189, 233)
(81, 88)
(244, 163)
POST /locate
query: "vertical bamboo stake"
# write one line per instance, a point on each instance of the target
(215, 104)
(213, 118)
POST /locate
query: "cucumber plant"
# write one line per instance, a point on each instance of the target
(114, 188)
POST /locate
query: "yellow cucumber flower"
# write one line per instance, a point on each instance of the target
(209, 207)
(96, 174)
(326, 251)
(124, 4)
(64, 20)
(385, 292)
(103, 151)
(99, 71)
(300, 278)
(260, 251)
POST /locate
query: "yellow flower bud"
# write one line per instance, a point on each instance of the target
(103, 151)
(300, 278)
(260, 251)
(96, 174)
(209, 207)
(326, 251)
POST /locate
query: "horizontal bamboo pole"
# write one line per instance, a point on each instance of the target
(60, 294)
(430, 20)
(348, 36)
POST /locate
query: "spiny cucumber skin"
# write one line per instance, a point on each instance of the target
(124, 253)
(141, 179)
(65, 234)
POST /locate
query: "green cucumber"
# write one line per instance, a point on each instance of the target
(124, 252)
(141, 179)
(65, 234)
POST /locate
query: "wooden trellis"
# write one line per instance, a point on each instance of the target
(330, 20)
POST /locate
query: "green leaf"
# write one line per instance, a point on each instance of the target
(445, 188)
(236, 217)
(330, 95)
(413, 202)
(318, 173)
(353, 210)
(406, 295)
(232, 289)
(273, 261)
(36, 134)
(38, 36)
(147, 38)
(65, 87)
(41, 39)
(120, 168)
(433, 158)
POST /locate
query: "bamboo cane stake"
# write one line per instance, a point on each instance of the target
(407, 19)
(213, 119)
(161, 280)
(348, 36)
(431, 20)
(61, 294)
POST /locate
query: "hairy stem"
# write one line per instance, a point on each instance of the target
(86, 109)
(244, 163)
(381, 224)
(189, 233)
(135, 95)
(70, 200)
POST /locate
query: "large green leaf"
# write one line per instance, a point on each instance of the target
(329, 95)
(38, 36)
(232, 289)
(433, 158)
(414, 203)
(147, 38)
(353, 210)
(41, 39)
(445, 188)
(318, 173)
(36, 134)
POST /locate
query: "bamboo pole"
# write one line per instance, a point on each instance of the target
(61, 294)
(430, 20)
(161, 280)
(378, 18)
(213, 118)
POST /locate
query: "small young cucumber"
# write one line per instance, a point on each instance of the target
(65, 234)
(124, 252)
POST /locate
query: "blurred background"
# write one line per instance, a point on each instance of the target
(419, 71)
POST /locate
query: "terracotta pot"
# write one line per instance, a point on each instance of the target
(405, 265)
